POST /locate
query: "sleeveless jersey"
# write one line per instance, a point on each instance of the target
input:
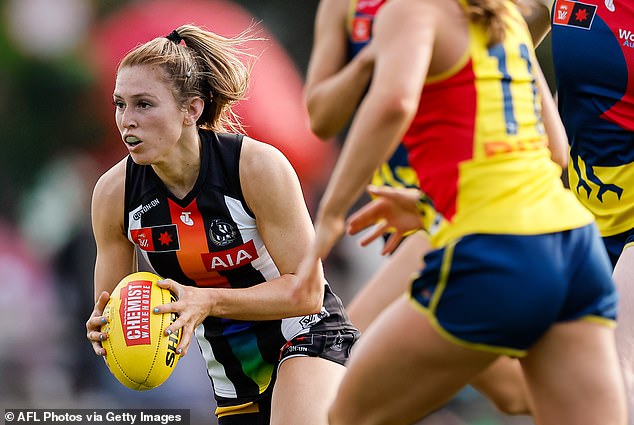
(210, 239)
(396, 172)
(593, 55)
(479, 146)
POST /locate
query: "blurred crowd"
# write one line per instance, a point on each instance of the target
(57, 61)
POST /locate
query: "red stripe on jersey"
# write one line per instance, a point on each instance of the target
(193, 242)
(622, 112)
(441, 136)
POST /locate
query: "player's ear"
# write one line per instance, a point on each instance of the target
(195, 106)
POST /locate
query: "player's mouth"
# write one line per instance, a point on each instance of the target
(132, 141)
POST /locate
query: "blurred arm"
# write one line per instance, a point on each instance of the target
(333, 88)
(385, 112)
(115, 253)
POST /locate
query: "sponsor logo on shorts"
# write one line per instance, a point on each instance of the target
(338, 344)
(297, 345)
(308, 321)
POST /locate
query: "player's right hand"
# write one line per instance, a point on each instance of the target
(94, 323)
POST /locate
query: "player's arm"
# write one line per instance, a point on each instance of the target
(386, 110)
(333, 86)
(272, 191)
(115, 254)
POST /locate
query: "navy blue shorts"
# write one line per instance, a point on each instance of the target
(616, 243)
(501, 293)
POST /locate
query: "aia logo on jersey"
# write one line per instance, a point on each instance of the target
(221, 233)
(156, 239)
(230, 258)
(574, 14)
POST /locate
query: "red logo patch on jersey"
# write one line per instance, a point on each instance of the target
(361, 29)
(574, 14)
(230, 258)
(156, 239)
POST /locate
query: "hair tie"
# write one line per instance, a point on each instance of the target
(175, 37)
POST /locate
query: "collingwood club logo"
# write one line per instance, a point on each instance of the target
(337, 345)
(221, 232)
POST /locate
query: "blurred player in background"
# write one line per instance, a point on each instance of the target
(221, 216)
(338, 74)
(481, 153)
(593, 57)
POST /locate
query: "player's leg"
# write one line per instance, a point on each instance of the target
(504, 384)
(624, 278)
(309, 373)
(403, 369)
(305, 388)
(574, 378)
(573, 370)
(389, 282)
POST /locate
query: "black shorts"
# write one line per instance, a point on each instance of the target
(332, 345)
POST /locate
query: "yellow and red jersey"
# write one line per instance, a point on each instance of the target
(479, 147)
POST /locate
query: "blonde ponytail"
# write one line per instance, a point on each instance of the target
(199, 63)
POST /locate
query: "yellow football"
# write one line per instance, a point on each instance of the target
(138, 353)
